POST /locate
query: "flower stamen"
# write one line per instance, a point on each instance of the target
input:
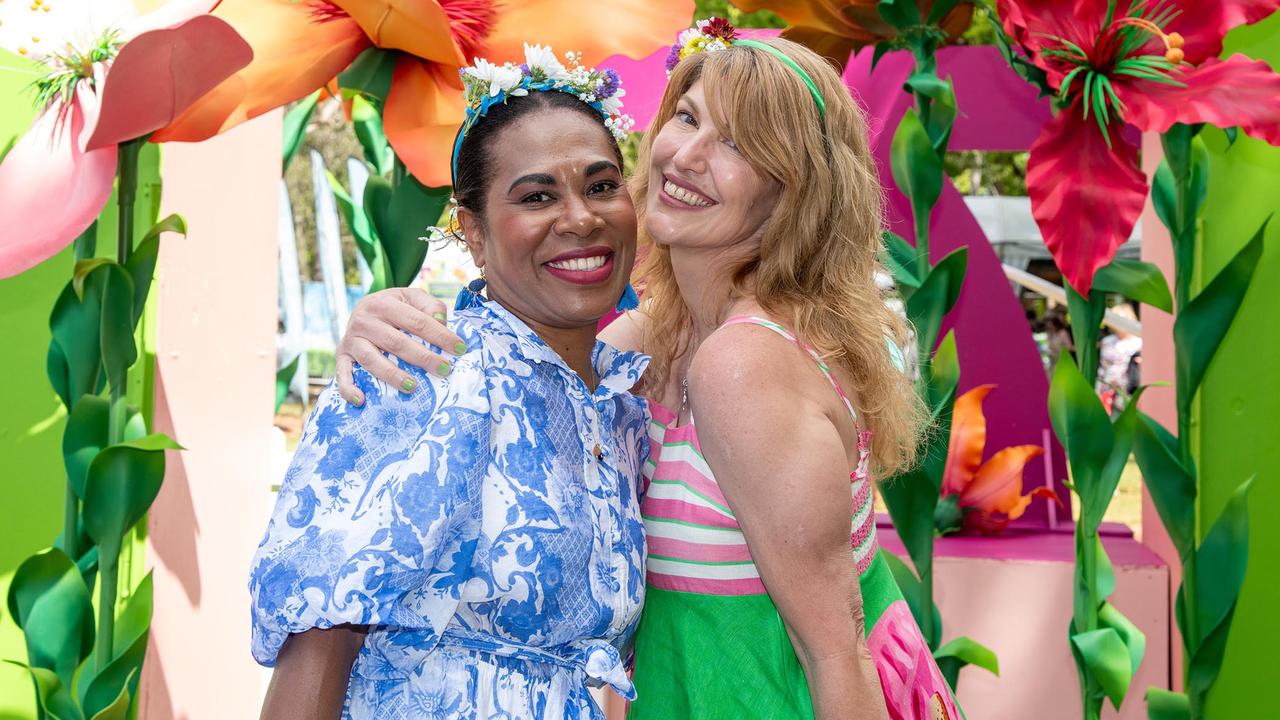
(1172, 41)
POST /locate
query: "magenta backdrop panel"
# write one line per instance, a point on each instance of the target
(997, 112)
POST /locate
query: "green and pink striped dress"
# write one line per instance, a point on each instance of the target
(711, 643)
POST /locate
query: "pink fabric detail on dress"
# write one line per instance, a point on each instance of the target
(909, 677)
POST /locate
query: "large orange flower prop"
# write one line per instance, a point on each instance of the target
(990, 493)
(299, 45)
(836, 29)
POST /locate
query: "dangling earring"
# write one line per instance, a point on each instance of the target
(470, 296)
(629, 300)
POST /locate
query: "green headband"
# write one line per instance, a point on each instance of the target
(813, 87)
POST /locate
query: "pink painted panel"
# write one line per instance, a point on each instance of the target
(216, 331)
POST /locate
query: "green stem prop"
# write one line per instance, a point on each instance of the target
(930, 291)
(109, 561)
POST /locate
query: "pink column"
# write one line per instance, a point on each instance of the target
(216, 329)
(1159, 402)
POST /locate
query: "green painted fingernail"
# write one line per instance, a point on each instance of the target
(357, 399)
(438, 316)
(444, 369)
(460, 348)
(409, 384)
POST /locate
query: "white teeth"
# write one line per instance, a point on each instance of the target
(683, 195)
(580, 264)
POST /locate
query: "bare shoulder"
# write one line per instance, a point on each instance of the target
(746, 367)
(626, 332)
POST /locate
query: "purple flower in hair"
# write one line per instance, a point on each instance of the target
(673, 58)
(611, 83)
(524, 68)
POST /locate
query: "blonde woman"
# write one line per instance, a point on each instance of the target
(761, 212)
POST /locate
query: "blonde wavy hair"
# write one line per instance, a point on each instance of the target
(817, 260)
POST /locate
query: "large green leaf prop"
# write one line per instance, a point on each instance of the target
(295, 125)
(1221, 562)
(1165, 705)
(284, 376)
(119, 352)
(400, 215)
(368, 127)
(1106, 659)
(362, 230)
(902, 261)
(961, 651)
(901, 14)
(85, 436)
(913, 591)
(50, 602)
(53, 697)
(1137, 280)
(1081, 424)
(1204, 322)
(1171, 485)
(917, 170)
(75, 353)
(121, 483)
(369, 75)
(142, 261)
(936, 296)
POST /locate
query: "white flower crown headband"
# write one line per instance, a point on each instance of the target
(486, 85)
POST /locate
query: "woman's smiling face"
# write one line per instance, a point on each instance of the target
(558, 235)
(702, 191)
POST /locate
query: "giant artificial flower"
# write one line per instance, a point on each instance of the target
(1149, 63)
(836, 29)
(990, 493)
(299, 45)
(111, 74)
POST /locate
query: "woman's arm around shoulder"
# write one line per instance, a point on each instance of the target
(781, 463)
(379, 324)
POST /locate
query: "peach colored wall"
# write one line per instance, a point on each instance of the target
(1159, 402)
(215, 339)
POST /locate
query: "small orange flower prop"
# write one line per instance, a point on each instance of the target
(990, 493)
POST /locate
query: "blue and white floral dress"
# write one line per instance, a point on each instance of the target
(485, 527)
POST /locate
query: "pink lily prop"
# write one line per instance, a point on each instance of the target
(991, 492)
(1146, 63)
(113, 74)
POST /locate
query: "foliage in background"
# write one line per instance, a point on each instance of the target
(981, 172)
(329, 133)
(703, 9)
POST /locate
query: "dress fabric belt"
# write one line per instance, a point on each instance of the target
(594, 660)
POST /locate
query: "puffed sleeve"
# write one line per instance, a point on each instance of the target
(377, 520)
